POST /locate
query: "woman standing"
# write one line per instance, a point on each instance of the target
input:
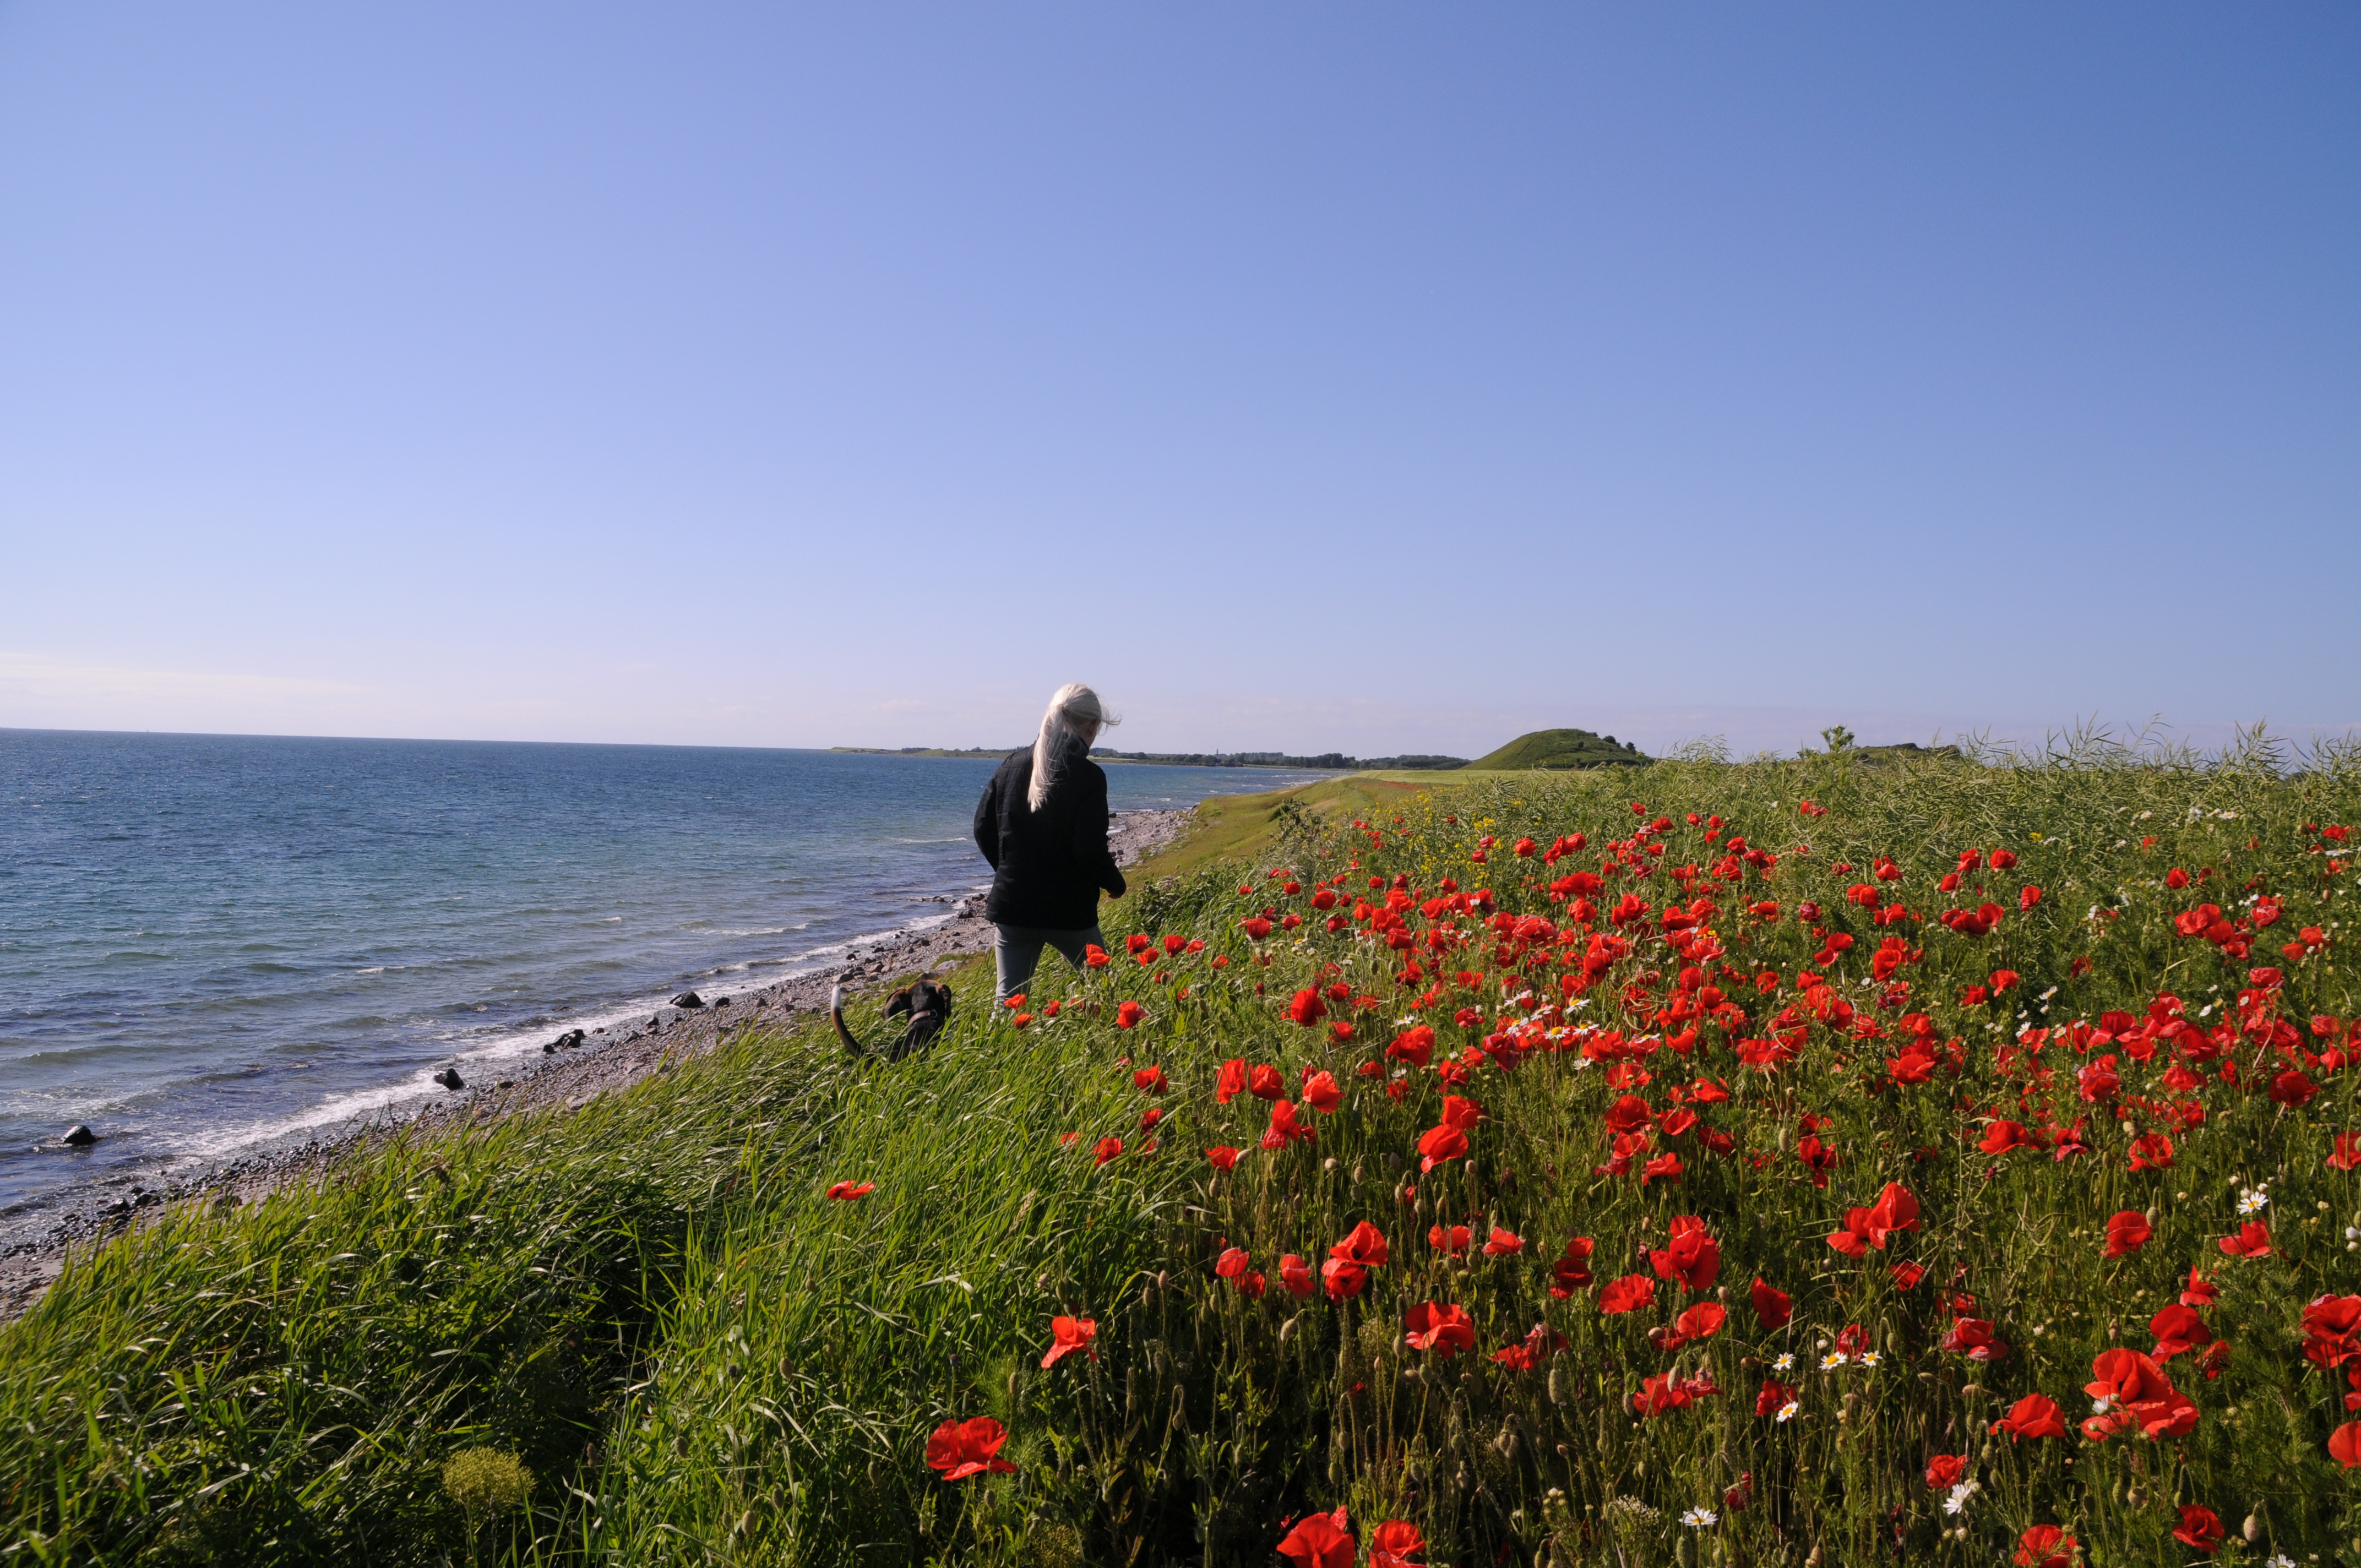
(1042, 823)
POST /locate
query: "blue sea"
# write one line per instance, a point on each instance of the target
(209, 942)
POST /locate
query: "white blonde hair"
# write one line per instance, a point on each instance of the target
(1075, 715)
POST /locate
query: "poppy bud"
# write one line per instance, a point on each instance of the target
(2253, 1529)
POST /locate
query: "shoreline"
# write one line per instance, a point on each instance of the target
(567, 1077)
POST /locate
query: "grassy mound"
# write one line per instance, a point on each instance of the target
(1560, 748)
(1993, 1104)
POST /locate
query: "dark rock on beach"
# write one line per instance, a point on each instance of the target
(449, 1078)
(78, 1136)
(688, 998)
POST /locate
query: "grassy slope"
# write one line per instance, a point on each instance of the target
(706, 1360)
(1557, 749)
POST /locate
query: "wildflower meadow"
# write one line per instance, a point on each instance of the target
(1809, 1162)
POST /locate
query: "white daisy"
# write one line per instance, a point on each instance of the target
(1869, 1358)
(2254, 1201)
(1786, 1363)
(1831, 1360)
(1699, 1519)
(1788, 1411)
(1957, 1501)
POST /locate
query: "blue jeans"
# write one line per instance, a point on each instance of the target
(1016, 952)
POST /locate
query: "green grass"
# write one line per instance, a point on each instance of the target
(701, 1359)
(1559, 749)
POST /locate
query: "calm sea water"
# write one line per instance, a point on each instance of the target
(208, 941)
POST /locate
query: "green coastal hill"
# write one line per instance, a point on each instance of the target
(1561, 749)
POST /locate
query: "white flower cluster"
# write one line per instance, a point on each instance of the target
(2254, 1200)
(1957, 1501)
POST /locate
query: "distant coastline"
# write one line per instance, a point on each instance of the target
(1334, 761)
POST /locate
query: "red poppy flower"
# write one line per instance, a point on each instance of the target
(2151, 1151)
(1905, 1275)
(2345, 1445)
(1256, 928)
(1069, 1336)
(1321, 1093)
(1284, 1128)
(1451, 1240)
(2127, 1232)
(1229, 1081)
(2045, 1546)
(1771, 1306)
(1223, 1155)
(2035, 1416)
(1571, 1272)
(2135, 1395)
(1107, 1150)
(1628, 1294)
(1095, 956)
(1972, 1337)
(1946, 1471)
(961, 1448)
(1232, 1262)
(847, 1191)
(2200, 1526)
(1414, 1045)
(2006, 1137)
(1895, 1211)
(1296, 1274)
(1318, 1540)
(1461, 1113)
(2253, 1240)
(1150, 1080)
(2178, 1329)
(2331, 1330)
(1701, 1321)
(1446, 1328)
(1691, 1257)
(1364, 1244)
(2348, 1151)
(1438, 1144)
(2028, 896)
(1307, 1008)
(1504, 1243)
(1629, 1114)
(1343, 1281)
(1394, 1545)
(1773, 1397)
(1265, 1083)
(1665, 1166)
(1671, 1392)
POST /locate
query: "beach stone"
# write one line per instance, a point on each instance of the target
(688, 998)
(449, 1078)
(79, 1136)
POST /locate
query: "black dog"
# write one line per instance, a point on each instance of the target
(928, 1002)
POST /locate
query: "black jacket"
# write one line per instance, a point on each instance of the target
(1047, 866)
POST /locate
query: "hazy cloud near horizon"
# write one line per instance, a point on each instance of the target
(1371, 380)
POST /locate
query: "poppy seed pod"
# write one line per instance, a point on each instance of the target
(2253, 1529)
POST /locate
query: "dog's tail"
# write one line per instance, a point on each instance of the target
(836, 1017)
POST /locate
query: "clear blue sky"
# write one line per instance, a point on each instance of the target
(1362, 377)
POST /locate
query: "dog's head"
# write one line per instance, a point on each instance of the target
(921, 998)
